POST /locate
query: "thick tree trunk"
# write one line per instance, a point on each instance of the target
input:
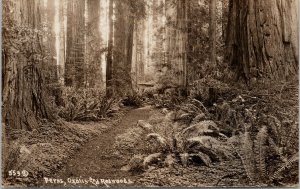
(262, 39)
(74, 67)
(23, 91)
(176, 34)
(122, 53)
(119, 58)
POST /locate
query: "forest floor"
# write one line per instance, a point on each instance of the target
(46, 150)
(98, 163)
(91, 153)
(97, 159)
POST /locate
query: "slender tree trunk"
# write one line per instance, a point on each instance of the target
(130, 49)
(51, 76)
(262, 39)
(93, 54)
(62, 17)
(224, 18)
(212, 31)
(109, 62)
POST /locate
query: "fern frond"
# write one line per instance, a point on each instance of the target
(135, 164)
(226, 151)
(276, 126)
(200, 128)
(203, 157)
(200, 104)
(144, 125)
(184, 158)
(286, 165)
(260, 149)
(169, 116)
(170, 160)
(152, 158)
(158, 138)
(206, 141)
(275, 148)
(190, 108)
(248, 157)
(198, 118)
(184, 116)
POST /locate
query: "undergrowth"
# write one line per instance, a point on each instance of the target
(264, 126)
(257, 125)
(169, 139)
(86, 104)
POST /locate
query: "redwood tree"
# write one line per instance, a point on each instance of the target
(109, 57)
(93, 54)
(120, 50)
(74, 66)
(262, 39)
(22, 57)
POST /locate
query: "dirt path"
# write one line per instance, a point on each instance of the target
(96, 159)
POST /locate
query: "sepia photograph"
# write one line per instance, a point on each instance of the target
(149, 93)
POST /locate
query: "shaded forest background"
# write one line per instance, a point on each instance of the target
(76, 59)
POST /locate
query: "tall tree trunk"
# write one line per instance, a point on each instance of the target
(130, 49)
(176, 34)
(74, 67)
(23, 92)
(62, 17)
(182, 37)
(121, 68)
(93, 54)
(224, 18)
(212, 31)
(139, 49)
(262, 39)
(51, 76)
(109, 62)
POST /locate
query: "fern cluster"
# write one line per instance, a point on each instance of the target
(262, 157)
(85, 104)
(169, 140)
